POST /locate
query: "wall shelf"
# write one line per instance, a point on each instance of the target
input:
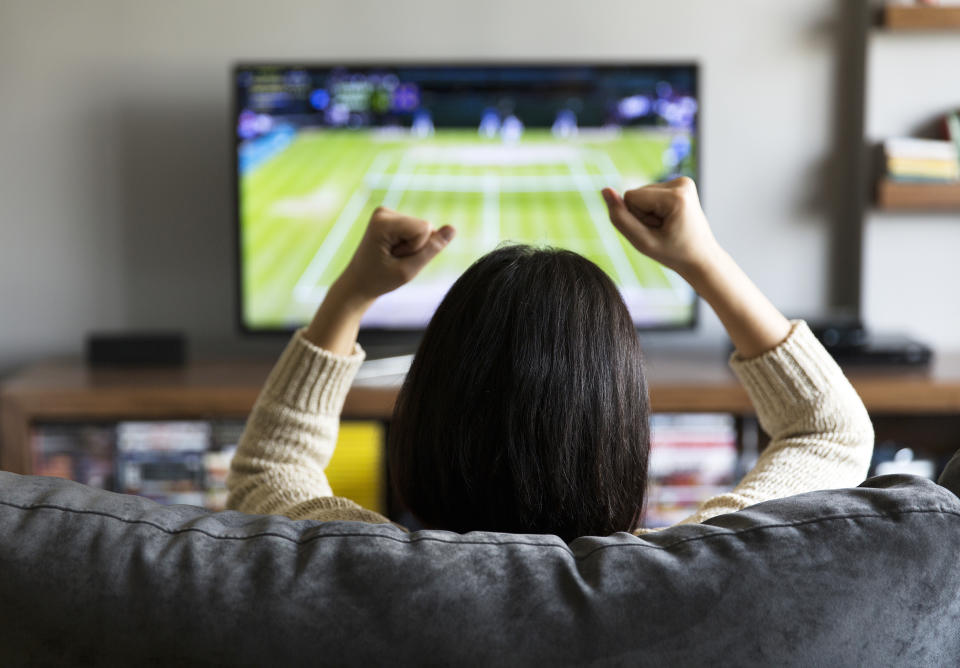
(897, 195)
(917, 17)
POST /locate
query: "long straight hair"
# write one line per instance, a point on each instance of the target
(525, 409)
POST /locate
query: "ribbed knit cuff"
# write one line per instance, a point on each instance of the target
(311, 379)
(333, 508)
(796, 371)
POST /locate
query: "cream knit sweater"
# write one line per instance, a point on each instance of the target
(821, 436)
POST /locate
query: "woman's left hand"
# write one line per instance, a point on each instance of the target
(392, 251)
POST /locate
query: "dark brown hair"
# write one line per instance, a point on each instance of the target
(525, 409)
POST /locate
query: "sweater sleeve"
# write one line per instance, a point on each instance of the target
(290, 437)
(820, 434)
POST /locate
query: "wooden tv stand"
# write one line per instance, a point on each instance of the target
(918, 407)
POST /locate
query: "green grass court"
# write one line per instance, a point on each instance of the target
(305, 208)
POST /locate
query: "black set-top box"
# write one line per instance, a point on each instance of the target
(160, 349)
(852, 344)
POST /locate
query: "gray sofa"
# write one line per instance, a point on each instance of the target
(860, 577)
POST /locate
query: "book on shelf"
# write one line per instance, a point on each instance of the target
(951, 128)
(924, 3)
(912, 159)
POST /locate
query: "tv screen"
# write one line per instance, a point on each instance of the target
(504, 153)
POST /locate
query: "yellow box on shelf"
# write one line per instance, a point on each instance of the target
(356, 470)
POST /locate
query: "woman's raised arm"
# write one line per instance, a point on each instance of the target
(292, 430)
(821, 435)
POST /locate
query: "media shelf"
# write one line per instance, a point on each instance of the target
(916, 17)
(69, 391)
(170, 434)
(900, 196)
(688, 382)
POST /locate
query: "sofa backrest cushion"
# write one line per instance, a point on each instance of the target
(864, 576)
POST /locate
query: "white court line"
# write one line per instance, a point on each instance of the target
(399, 180)
(305, 289)
(377, 170)
(469, 183)
(678, 286)
(609, 171)
(491, 210)
(625, 273)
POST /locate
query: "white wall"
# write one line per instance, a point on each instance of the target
(114, 128)
(912, 260)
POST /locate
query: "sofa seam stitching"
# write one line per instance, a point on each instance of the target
(411, 539)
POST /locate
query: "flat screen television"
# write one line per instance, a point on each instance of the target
(502, 152)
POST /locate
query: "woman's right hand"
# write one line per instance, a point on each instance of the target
(664, 221)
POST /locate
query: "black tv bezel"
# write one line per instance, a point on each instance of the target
(407, 336)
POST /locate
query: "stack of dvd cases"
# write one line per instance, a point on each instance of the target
(692, 457)
(224, 437)
(163, 461)
(78, 452)
(187, 461)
